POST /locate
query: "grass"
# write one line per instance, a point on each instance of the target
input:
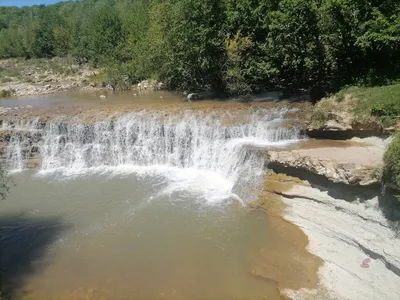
(9, 74)
(64, 66)
(98, 77)
(382, 102)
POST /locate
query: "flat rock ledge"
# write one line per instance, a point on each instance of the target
(355, 165)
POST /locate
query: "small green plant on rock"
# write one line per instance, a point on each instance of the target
(322, 112)
(386, 113)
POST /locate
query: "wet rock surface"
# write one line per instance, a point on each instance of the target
(354, 165)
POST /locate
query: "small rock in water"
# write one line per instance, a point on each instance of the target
(102, 97)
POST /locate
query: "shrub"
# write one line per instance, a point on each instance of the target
(385, 109)
(322, 112)
(388, 121)
(6, 93)
(117, 76)
(391, 170)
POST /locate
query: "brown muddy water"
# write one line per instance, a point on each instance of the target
(102, 237)
(93, 98)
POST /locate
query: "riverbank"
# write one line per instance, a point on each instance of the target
(337, 204)
(21, 77)
(357, 111)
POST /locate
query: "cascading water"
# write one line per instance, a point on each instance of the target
(144, 205)
(212, 152)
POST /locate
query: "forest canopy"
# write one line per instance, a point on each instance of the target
(232, 47)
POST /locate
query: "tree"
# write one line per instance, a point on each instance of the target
(294, 44)
(228, 46)
(105, 34)
(197, 51)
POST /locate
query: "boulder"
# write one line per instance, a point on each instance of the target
(193, 97)
(143, 85)
(160, 86)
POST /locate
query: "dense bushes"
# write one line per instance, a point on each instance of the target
(391, 171)
(229, 46)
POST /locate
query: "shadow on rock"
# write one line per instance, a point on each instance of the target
(335, 190)
(391, 206)
(24, 242)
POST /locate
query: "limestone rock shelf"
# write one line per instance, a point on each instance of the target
(353, 165)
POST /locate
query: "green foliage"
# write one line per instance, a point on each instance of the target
(391, 170)
(117, 76)
(8, 74)
(233, 47)
(378, 101)
(294, 44)
(98, 78)
(236, 49)
(385, 109)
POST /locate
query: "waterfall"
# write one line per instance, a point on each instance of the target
(225, 144)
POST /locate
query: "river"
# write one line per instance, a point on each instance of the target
(144, 205)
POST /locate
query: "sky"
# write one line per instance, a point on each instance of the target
(26, 2)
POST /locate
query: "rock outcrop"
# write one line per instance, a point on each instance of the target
(355, 165)
(344, 234)
(332, 119)
(342, 125)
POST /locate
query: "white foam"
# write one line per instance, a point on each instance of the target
(194, 152)
(208, 187)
